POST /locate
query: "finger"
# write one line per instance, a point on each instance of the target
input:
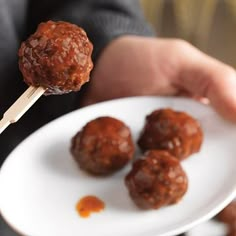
(204, 76)
(198, 98)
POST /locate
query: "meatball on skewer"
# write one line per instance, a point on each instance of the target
(56, 59)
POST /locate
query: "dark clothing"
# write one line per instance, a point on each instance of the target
(103, 20)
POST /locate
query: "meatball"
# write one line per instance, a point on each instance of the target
(103, 146)
(228, 214)
(56, 57)
(156, 180)
(173, 131)
(232, 229)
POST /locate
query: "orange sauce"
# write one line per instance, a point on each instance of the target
(88, 205)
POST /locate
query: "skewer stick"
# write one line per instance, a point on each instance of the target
(20, 106)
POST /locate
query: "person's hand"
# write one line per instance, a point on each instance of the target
(132, 65)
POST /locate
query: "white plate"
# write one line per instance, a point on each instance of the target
(40, 183)
(209, 228)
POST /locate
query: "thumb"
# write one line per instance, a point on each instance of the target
(204, 76)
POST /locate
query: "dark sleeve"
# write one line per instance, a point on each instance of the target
(104, 20)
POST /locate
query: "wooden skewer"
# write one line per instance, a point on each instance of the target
(20, 106)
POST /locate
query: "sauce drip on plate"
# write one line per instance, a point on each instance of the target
(88, 205)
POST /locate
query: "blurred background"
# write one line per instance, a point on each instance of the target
(210, 25)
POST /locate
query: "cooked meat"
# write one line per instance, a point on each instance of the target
(56, 57)
(103, 146)
(173, 131)
(156, 180)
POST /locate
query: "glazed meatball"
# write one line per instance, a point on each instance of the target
(103, 146)
(56, 57)
(156, 180)
(173, 131)
(228, 214)
(232, 229)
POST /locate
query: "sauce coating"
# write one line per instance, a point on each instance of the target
(88, 205)
(173, 131)
(103, 146)
(156, 180)
(56, 57)
(232, 230)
